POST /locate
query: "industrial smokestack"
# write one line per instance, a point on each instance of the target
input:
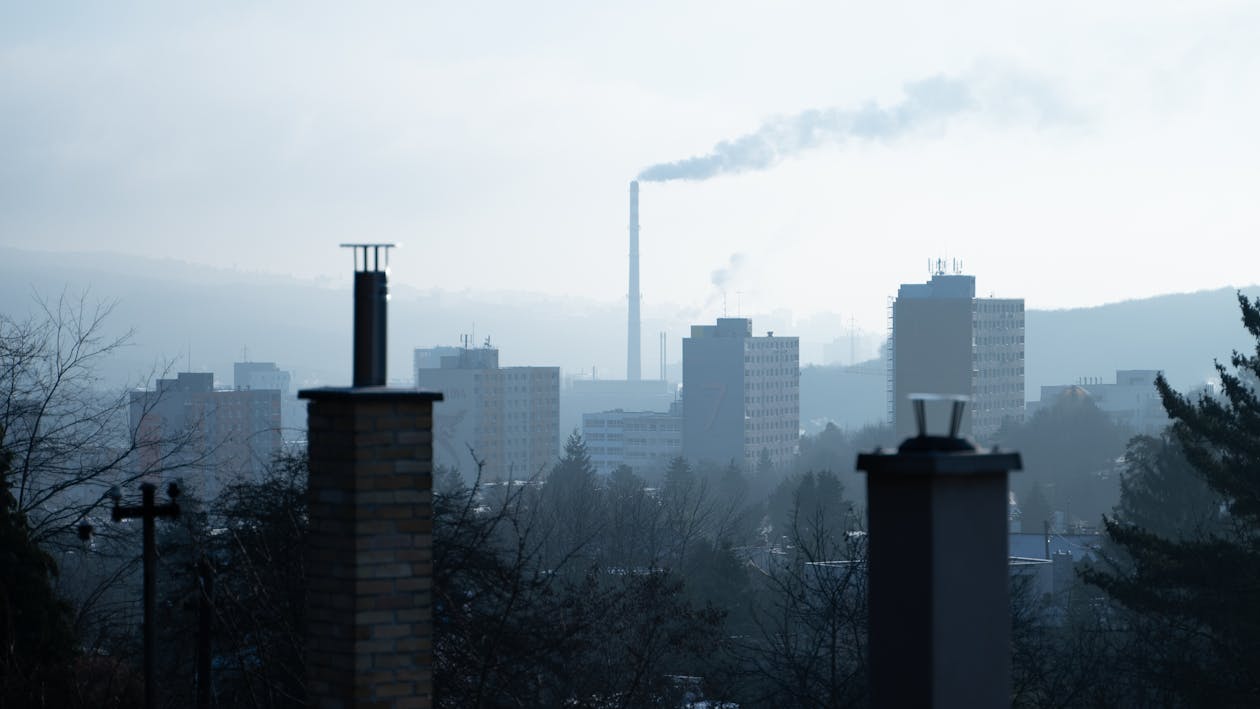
(633, 370)
(371, 292)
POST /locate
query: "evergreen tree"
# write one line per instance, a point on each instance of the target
(1035, 511)
(1195, 591)
(1070, 447)
(1162, 494)
(37, 646)
(572, 501)
(633, 531)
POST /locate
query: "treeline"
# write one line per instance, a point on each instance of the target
(580, 589)
(717, 584)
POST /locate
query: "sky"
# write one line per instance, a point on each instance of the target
(806, 157)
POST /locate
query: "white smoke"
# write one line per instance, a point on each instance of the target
(728, 274)
(1005, 95)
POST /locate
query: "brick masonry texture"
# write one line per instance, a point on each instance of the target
(369, 606)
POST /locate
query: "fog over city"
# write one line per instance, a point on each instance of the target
(657, 354)
(1061, 151)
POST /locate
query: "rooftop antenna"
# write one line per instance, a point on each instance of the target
(852, 342)
(662, 355)
(739, 303)
(723, 302)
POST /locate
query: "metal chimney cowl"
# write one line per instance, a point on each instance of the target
(371, 295)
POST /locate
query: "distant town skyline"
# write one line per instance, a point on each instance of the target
(817, 156)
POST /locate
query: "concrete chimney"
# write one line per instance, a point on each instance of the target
(938, 579)
(633, 350)
(369, 565)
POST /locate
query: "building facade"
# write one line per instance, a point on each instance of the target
(741, 395)
(646, 441)
(261, 376)
(507, 417)
(579, 397)
(944, 340)
(1131, 400)
(208, 437)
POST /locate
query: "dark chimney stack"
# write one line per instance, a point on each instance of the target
(369, 551)
(371, 292)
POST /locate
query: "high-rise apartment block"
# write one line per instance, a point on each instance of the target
(208, 437)
(741, 395)
(508, 417)
(945, 340)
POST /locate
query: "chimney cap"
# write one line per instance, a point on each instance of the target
(374, 250)
(370, 393)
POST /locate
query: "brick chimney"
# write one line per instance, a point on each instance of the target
(369, 636)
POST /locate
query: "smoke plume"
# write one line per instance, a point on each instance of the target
(724, 276)
(932, 100)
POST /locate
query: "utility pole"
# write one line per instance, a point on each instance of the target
(148, 511)
(205, 615)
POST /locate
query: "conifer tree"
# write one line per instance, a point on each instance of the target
(1195, 593)
(36, 637)
(572, 501)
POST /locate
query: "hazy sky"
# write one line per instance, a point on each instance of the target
(1071, 153)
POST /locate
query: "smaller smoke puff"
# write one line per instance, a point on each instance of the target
(931, 100)
(724, 276)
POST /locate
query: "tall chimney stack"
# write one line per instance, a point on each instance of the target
(633, 369)
(371, 292)
(369, 551)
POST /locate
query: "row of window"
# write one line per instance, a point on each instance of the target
(764, 399)
(1000, 340)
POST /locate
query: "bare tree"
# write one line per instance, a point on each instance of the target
(810, 646)
(70, 434)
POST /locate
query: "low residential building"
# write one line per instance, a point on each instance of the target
(1131, 400)
(643, 440)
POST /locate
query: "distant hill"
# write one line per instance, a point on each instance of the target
(1180, 334)
(176, 308)
(304, 325)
